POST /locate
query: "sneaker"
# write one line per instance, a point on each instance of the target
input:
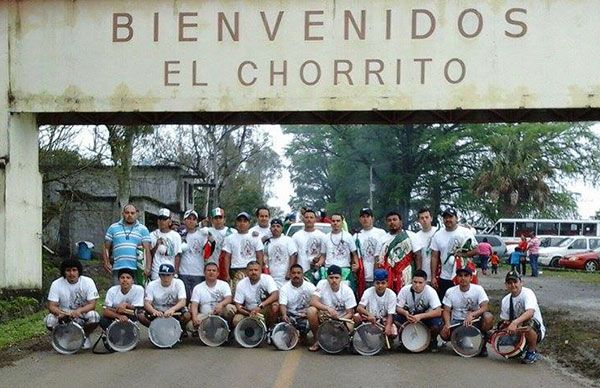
(433, 346)
(87, 344)
(530, 358)
(483, 353)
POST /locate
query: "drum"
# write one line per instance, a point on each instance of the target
(285, 336)
(164, 332)
(368, 339)
(508, 345)
(415, 337)
(467, 341)
(213, 330)
(122, 336)
(333, 336)
(250, 332)
(68, 337)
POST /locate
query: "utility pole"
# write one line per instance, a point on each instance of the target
(371, 186)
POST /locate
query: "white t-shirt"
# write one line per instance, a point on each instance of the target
(387, 238)
(165, 253)
(308, 245)
(219, 236)
(463, 302)
(115, 297)
(278, 252)
(250, 295)
(379, 306)
(243, 248)
(163, 298)
(447, 243)
(192, 259)
(296, 299)
(208, 297)
(262, 232)
(337, 248)
(526, 300)
(424, 240)
(341, 300)
(427, 300)
(72, 296)
(370, 245)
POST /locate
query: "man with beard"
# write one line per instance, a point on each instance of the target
(256, 295)
(368, 245)
(280, 253)
(166, 245)
(339, 249)
(294, 299)
(308, 243)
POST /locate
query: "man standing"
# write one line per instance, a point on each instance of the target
(261, 229)
(308, 243)
(73, 297)
(424, 237)
(217, 234)
(256, 294)
(166, 296)
(368, 244)
(378, 304)
(240, 249)
(339, 249)
(534, 254)
(451, 248)
(465, 303)
(121, 242)
(398, 251)
(280, 253)
(124, 301)
(166, 245)
(213, 296)
(520, 309)
(294, 299)
(191, 268)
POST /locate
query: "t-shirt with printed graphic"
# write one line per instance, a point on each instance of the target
(208, 297)
(277, 253)
(168, 246)
(379, 306)
(369, 246)
(308, 245)
(447, 243)
(243, 248)
(417, 303)
(219, 237)
(424, 239)
(341, 300)
(262, 232)
(337, 248)
(72, 296)
(296, 299)
(114, 296)
(463, 302)
(163, 298)
(192, 259)
(526, 300)
(250, 295)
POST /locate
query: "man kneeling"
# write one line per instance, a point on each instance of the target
(256, 295)
(378, 304)
(294, 299)
(124, 302)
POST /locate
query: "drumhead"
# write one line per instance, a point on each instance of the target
(164, 332)
(368, 339)
(250, 332)
(213, 330)
(285, 336)
(68, 338)
(333, 336)
(416, 337)
(122, 336)
(467, 341)
(508, 345)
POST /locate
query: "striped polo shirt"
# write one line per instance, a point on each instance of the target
(125, 239)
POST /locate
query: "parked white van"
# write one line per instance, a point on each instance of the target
(550, 256)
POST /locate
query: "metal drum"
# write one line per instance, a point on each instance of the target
(285, 336)
(368, 339)
(122, 336)
(250, 332)
(164, 332)
(213, 331)
(508, 345)
(68, 337)
(333, 336)
(415, 337)
(467, 341)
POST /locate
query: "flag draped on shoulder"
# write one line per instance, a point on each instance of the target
(397, 260)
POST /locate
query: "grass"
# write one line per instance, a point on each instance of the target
(580, 276)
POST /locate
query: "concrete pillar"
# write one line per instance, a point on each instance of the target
(20, 186)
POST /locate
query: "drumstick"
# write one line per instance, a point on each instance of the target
(125, 311)
(461, 323)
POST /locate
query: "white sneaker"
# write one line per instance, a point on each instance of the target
(87, 344)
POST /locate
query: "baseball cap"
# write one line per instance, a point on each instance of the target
(164, 212)
(190, 212)
(450, 212)
(166, 269)
(217, 212)
(243, 215)
(464, 270)
(366, 210)
(512, 275)
(334, 270)
(276, 221)
(380, 274)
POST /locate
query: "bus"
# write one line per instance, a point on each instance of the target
(511, 229)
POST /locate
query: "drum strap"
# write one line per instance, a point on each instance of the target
(511, 310)
(102, 338)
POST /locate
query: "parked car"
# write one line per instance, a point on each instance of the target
(546, 241)
(551, 256)
(588, 261)
(296, 226)
(495, 241)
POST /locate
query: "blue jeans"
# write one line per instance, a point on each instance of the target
(533, 261)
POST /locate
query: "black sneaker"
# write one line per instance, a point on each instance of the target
(433, 346)
(483, 353)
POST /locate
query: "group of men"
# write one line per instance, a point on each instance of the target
(397, 276)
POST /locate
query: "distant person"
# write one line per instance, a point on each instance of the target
(515, 259)
(495, 261)
(262, 229)
(534, 254)
(323, 217)
(523, 246)
(485, 251)
(166, 245)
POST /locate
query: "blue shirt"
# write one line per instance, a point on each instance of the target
(125, 239)
(515, 257)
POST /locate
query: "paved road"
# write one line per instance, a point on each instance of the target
(195, 365)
